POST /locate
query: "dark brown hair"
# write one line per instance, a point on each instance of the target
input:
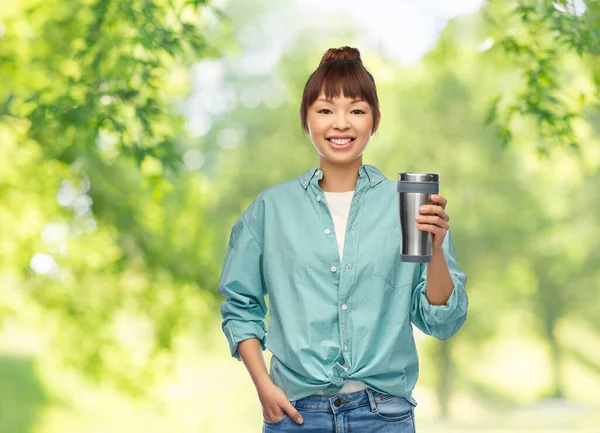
(340, 69)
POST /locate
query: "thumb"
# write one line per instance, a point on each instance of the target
(294, 414)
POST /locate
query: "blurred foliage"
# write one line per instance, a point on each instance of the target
(112, 241)
(88, 118)
(540, 37)
(101, 69)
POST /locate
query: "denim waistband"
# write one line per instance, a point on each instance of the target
(338, 402)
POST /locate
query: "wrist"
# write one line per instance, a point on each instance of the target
(263, 382)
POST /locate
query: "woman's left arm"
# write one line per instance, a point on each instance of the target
(439, 300)
(434, 219)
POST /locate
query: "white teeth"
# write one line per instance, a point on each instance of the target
(344, 141)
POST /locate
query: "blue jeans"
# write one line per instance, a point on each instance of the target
(366, 411)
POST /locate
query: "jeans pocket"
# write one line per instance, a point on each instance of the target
(280, 421)
(394, 409)
(285, 416)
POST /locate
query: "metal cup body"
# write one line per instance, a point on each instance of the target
(414, 190)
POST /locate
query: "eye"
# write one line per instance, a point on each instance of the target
(324, 109)
(360, 111)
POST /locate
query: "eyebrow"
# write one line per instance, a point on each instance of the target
(331, 100)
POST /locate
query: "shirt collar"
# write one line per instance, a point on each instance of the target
(367, 171)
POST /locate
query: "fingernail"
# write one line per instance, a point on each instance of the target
(300, 420)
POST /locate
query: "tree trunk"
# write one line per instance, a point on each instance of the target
(556, 357)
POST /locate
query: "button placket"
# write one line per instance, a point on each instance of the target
(346, 278)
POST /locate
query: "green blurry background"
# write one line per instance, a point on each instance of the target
(133, 134)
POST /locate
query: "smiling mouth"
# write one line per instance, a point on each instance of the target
(341, 142)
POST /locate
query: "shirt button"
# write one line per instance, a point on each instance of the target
(317, 172)
(358, 195)
(352, 230)
(372, 180)
(344, 307)
(327, 231)
(318, 198)
(333, 269)
(305, 183)
(348, 267)
(345, 348)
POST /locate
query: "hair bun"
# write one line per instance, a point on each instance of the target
(342, 53)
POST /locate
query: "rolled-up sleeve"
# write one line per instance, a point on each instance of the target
(441, 321)
(244, 309)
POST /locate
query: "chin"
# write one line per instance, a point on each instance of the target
(342, 159)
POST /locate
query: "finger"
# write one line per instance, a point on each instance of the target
(293, 413)
(439, 231)
(431, 209)
(439, 199)
(273, 417)
(433, 220)
(445, 216)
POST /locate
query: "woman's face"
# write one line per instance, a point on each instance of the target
(340, 128)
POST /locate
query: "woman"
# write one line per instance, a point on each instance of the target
(325, 248)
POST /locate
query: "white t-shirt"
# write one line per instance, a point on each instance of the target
(339, 207)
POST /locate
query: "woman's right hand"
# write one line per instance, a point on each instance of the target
(275, 404)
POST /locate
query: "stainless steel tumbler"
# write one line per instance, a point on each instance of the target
(414, 190)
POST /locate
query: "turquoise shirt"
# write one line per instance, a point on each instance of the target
(322, 313)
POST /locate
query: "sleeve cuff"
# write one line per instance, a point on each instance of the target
(237, 331)
(453, 308)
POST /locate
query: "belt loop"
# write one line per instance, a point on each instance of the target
(371, 400)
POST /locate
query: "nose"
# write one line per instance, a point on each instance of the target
(341, 121)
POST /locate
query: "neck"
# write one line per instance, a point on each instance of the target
(339, 178)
